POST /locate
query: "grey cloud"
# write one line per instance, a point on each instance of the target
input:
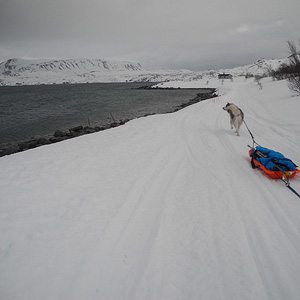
(189, 34)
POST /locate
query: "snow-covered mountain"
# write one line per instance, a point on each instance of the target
(31, 72)
(16, 66)
(20, 71)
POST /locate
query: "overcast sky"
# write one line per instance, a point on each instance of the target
(169, 34)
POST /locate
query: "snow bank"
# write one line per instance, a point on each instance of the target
(164, 207)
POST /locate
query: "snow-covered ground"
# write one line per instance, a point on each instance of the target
(165, 207)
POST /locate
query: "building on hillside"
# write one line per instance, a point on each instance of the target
(224, 76)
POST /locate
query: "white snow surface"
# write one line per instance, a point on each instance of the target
(165, 207)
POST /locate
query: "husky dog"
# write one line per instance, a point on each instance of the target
(236, 116)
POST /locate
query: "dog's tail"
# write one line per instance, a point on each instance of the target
(242, 114)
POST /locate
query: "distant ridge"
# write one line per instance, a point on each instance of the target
(45, 71)
(15, 65)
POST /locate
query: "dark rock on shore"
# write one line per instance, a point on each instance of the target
(89, 129)
(76, 129)
(59, 133)
(33, 144)
(11, 150)
(144, 87)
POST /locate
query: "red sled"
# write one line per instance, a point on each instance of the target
(273, 174)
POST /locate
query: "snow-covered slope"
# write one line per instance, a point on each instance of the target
(260, 67)
(164, 207)
(28, 72)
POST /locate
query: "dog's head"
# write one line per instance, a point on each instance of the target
(227, 106)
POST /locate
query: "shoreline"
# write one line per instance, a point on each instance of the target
(79, 130)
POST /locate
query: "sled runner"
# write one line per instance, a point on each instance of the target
(273, 163)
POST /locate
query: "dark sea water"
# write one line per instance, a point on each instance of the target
(37, 111)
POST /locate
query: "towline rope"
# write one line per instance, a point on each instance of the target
(250, 134)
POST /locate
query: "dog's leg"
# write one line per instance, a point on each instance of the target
(237, 127)
(231, 123)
